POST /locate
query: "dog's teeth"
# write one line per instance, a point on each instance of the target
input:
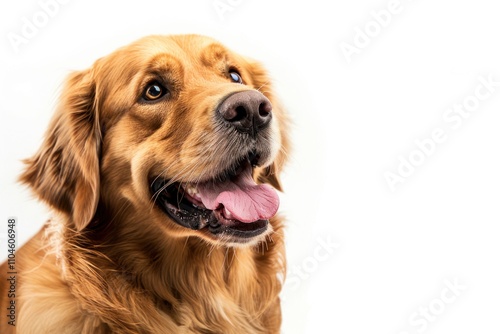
(191, 190)
(227, 214)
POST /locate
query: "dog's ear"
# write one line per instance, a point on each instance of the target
(65, 171)
(262, 83)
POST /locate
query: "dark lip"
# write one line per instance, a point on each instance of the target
(241, 230)
(172, 200)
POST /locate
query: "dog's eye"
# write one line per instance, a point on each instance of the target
(154, 91)
(235, 76)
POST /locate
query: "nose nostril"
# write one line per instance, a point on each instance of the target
(235, 114)
(265, 109)
(240, 114)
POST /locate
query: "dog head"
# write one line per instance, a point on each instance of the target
(178, 129)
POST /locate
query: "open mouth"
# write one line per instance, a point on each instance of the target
(231, 204)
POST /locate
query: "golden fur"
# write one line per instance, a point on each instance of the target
(110, 261)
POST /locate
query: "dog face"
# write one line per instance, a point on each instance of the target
(177, 128)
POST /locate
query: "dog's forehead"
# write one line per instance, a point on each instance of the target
(196, 48)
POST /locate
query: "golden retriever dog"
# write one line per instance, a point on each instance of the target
(161, 165)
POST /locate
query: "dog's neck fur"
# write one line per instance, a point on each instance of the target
(184, 286)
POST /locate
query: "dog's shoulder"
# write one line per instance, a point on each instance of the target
(40, 282)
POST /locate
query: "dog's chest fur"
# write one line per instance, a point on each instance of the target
(225, 294)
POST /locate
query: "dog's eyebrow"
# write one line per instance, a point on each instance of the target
(162, 66)
(164, 62)
(213, 55)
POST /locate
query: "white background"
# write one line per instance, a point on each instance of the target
(391, 252)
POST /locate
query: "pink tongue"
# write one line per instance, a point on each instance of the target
(245, 200)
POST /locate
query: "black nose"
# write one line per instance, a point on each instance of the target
(248, 111)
